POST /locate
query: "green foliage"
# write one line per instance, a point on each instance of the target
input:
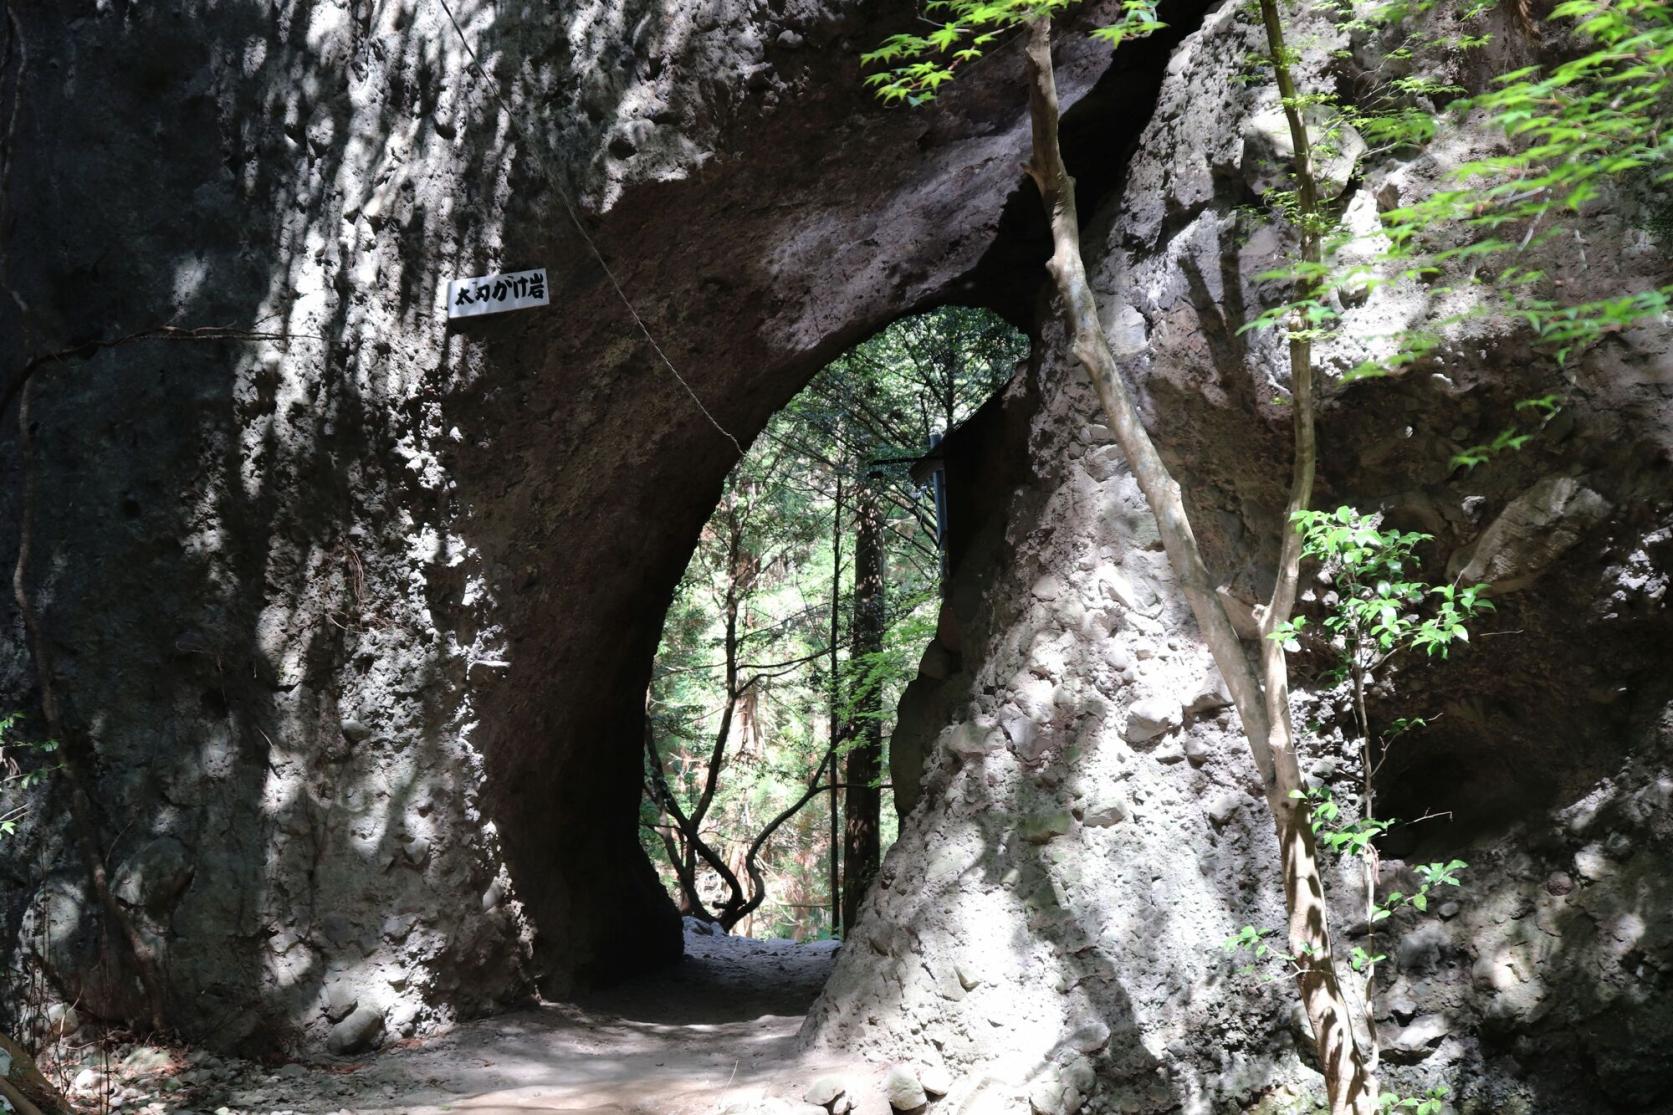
(1542, 410)
(1432, 1102)
(911, 68)
(24, 764)
(1378, 606)
(1573, 137)
(887, 671)
(1254, 941)
(1277, 962)
(766, 557)
(1349, 836)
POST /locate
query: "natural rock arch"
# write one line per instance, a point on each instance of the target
(380, 753)
(388, 757)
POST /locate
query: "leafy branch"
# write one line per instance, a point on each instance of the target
(912, 68)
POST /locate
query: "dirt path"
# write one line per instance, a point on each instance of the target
(719, 1030)
(717, 1033)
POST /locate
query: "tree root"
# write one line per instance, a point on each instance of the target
(24, 1087)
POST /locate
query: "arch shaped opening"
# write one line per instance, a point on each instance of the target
(805, 610)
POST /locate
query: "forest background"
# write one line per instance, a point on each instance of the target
(812, 592)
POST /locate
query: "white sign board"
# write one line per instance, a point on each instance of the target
(493, 294)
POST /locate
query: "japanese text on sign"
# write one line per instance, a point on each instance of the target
(493, 294)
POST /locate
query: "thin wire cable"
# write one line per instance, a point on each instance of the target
(575, 219)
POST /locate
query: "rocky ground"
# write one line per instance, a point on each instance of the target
(717, 1033)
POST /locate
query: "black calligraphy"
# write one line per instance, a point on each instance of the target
(497, 292)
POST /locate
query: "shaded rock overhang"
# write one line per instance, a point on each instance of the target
(838, 217)
(322, 169)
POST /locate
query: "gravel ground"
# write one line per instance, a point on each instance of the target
(716, 1033)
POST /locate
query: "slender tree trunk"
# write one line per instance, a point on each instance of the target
(688, 878)
(1261, 698)
(836, 705)
(685, 866)
(863, 800)
(723, 734)
(751, 862)
(1349, 1072)
(690, 825)
(1371, 860)
(682, 857)
(1370, 868)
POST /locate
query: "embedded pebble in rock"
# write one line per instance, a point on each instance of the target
(360, 1031)
(1150, 717)
(974, 738)
(937, 1081)
(824, 1091)
(1041, 828)
(1224, 807)
(1106, 811)
(1169, 752)
(1197, 749)
(1090, 1037)
(1591, 864)
(1054, 1094)
(1023, 733)
(340, 1001)
(1533, 530)
(1418, 1040)
(1211, 694)
(903, 1089)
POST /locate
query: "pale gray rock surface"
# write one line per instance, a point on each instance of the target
(1540, 989)
(350, 621)
(903, 1090)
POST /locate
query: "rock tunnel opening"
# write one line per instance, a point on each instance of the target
(807, 605)
(419, 537)
(358, 624)
(569, 812)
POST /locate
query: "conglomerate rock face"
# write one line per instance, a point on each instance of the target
(349, 623)
(1087, 826)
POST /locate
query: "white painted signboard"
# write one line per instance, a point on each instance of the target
(493, 294)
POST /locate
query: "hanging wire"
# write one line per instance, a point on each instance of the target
(575, 219)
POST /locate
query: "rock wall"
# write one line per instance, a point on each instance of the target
(350, 622)
(1088, 827)
(349, 619)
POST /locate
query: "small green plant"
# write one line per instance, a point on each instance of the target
(1541, 410)
(1378, 608)
(19, 773)
(1432, 1102)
